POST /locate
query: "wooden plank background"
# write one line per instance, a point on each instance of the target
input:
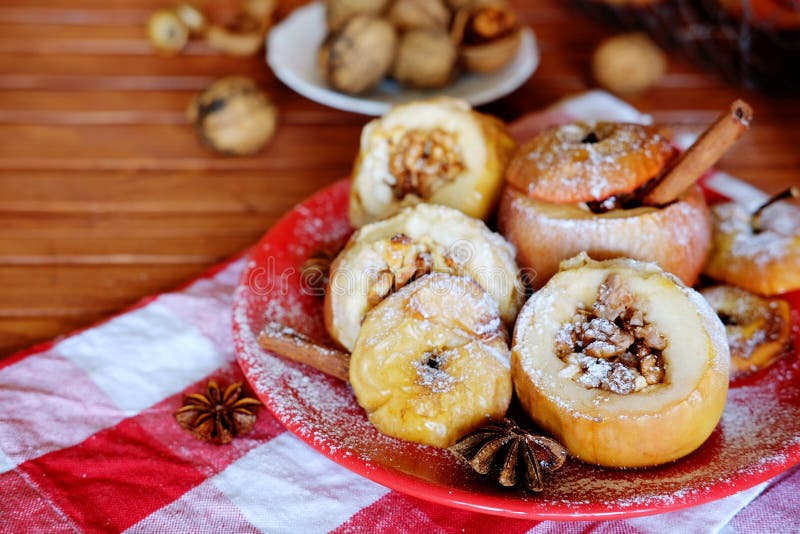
(106, 195)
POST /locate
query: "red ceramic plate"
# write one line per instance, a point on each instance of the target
(758, 437)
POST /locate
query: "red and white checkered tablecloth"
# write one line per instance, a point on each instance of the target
(88, 442)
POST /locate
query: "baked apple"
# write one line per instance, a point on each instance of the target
(614, 190)
(758, 328)
(438, 151)
(574, 188)
(431, 363)
(384, 256)
(760, 254)
(621, 362)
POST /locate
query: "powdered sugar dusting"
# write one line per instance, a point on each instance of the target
(759, 434)
(781, 224)
(593, 161)
(430, 374)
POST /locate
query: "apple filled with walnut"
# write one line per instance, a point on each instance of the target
(384, 256)
(438, 151)
(621, 362)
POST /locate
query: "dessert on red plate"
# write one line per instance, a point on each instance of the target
(431, 363)
(621, 362)
(384, 256)
(561, 182)
(638, 350)
(758, 328)
(756, 438)
(759, 251)
(438, 151)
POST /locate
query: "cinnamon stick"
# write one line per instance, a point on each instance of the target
(703, 154)
(292, 345)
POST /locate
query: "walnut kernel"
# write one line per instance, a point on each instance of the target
(406, 260)
(421, 161)
(612, 346)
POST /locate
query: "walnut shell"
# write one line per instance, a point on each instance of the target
(425, 59)
(358, 57)
(419, 14)
(233, 116)
(167, 32)
(192, 18)
(628, 63)
(339, 12)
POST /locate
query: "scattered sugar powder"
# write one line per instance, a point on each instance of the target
(430, 372)
(592, 165)
(781, 224)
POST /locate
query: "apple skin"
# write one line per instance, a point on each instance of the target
(676, 237)
(559, 166)
(642, 429)
(438, 312)
(595, 437)
(751, 317)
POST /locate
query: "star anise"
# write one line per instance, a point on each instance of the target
(218, 416)
(506, 451)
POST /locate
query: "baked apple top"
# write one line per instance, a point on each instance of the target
(589, 162)
(612, 312)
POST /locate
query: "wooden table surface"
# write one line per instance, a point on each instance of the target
(106, 195)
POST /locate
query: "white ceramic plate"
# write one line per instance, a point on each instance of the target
(292, 54)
